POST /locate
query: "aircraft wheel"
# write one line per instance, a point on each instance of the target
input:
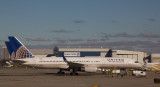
(71, 74)
(62, 72)
(58, 72)
(76, 74)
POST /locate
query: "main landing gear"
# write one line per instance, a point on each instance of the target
(61, 71)
(74, 72)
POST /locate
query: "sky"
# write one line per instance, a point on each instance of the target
(117, 24)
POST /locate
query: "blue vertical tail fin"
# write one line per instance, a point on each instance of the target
(18, 48)
(10, 50)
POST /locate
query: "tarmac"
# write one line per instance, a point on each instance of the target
(29, 77)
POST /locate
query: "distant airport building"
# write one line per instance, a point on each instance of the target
(82, 52)
(5, 53)
(136, 55)
(99, 52)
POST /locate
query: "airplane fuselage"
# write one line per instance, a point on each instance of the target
(58, 62)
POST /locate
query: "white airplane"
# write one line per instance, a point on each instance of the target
(19, 53)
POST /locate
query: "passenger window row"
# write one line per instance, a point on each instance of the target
(70, 61)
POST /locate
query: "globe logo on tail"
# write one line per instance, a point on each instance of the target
(22, 52)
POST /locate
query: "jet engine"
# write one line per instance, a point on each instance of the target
(90, 69)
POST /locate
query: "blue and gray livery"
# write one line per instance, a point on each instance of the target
(16, 49)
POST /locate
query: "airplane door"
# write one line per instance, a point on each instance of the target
(104, 62)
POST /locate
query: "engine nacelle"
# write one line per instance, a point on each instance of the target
(90, 69)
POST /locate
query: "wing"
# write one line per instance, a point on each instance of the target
(72, 64)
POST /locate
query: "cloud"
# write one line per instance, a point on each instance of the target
(152, 20)
(105, 35)
(124, 34)
(144, 46)
(137, 45)
(148, 35)
(114, 21)
(79, 21)
(68, 40)
(61, 41)
(75, 40)
(92, 40)
(37, 39)
(155, 42)
(61, 31)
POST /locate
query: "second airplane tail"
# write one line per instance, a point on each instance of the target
(10, 50)
(16, 49)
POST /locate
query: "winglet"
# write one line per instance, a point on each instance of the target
(64, 58)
